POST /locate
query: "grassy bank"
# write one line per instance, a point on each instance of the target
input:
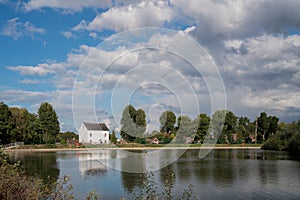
(128, 146)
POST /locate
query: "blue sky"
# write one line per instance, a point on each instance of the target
(254, 48)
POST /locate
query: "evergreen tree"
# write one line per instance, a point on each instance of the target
(49, 122)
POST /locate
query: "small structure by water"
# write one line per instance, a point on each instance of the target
(93, 133)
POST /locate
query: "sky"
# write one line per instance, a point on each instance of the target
(91, 58)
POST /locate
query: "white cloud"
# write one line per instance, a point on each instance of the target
(29, 81)
(21, 96)
(67, 5)
(15, 29)
(144, 14)
(93, 35)
(68, 34)
(40, 70)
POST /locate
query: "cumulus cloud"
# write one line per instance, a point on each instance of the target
(250, 41)
(67, 5)
(40, 69)
(15, 29)
(143, 14)
(29, 81)
(27, 97)
(68, 34)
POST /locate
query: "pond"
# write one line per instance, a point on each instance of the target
(222, 174)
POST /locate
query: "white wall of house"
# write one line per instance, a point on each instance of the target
(93, 136)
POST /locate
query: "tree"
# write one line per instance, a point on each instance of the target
(167, 120)
(244, 129)
(5, 124)
(273, 125)
(202, 125)
(262, 125)
(133, 123)
(140, 121)
(184, 128)
(230, 125)
(63, 138)
(112, 137)
(26, 126)
(49, 122)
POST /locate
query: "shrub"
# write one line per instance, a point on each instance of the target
(294, 145)
(272, 144)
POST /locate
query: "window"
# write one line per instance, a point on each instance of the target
(105, 135)
(91, 135)
(90, 141)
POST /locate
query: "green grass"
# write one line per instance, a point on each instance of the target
(128, 145)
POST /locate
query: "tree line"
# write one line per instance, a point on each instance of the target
(17, 124)
(223, 126)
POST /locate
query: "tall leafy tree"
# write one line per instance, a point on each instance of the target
(263, 126)
(140, 121)
(185, 128)
(26, 126)
(6, 125)
(202, 125)
(230, 126)
(217, 120)
(133, 123)
(167, 120)
(273, 126)
(244, 129)
(49, 122)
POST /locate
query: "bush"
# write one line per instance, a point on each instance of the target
(294, 145)
(16, 184)
(273, 143)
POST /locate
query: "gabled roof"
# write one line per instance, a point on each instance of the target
(96, 127)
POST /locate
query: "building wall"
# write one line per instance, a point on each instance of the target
(98, 137)
(82, 131)
(93, 136)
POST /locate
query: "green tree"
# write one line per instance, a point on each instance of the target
(49, 122)
(140, 121)
(294, 144)
(112, 137)
(6, 125)
(230, 126)
(262, 126)
(217, 121)
(63, 138)
(202, 125)
(184, 126)
(273, 126)
(133, 123)
(167, 120)
(244, 129)
(26, 126)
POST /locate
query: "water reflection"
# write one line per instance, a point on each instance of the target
(225, 174)
(91, 164)
(43, 165)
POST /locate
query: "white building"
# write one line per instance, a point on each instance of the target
(93, 133)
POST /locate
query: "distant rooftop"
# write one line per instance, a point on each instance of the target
(96, 127)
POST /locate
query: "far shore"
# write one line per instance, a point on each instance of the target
(127, 148)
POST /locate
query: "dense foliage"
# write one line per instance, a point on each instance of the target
(287, 137)
(224, 127)
(134, 123)
(19, 125)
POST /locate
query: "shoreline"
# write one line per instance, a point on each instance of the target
(129, 148)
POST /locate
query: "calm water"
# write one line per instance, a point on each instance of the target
(222, 174)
